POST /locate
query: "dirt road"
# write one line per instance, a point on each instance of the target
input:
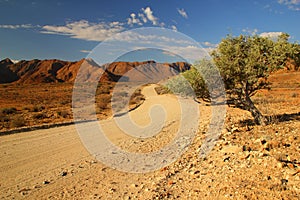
(55, 163)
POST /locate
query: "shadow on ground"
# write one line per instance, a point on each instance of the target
(274, 119)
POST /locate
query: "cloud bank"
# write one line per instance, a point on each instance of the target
(182, 13)
(291, 4)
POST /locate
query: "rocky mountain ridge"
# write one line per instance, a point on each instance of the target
(53, 71)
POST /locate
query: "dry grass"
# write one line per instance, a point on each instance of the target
(28, 105)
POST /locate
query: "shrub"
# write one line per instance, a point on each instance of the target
(4, 118)
(26, 108)
(38, 108)
(8, 111)
(40, 116)
(63, 113)
(17, 121)
(161, 90)
(294, 95)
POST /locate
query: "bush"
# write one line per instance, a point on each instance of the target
(8, 111)
(63, 113)
(26, 108)
(179, 85)
(17, 121)
(4, 118)
(40, 116)
(38, 108)
(294, 95)
(161, 90)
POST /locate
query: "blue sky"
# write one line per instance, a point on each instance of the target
(69, 30)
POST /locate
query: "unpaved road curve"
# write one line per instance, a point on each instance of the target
(32, 163)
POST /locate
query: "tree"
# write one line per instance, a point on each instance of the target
(193, 82)
(245, 62)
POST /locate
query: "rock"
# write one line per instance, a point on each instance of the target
(227, 159)
(235, 129)
(170, 182)
(63, 173)
(263, 141)
(112, 190)
(284, 181)
(46, 182)
(245, 148)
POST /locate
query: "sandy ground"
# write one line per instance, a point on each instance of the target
(39, 164)
(248, 162)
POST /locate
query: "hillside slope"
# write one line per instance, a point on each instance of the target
(48, 71)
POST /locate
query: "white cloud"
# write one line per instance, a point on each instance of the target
(250, 31)
(85, 51)
(133, 20)
(149, 14)
(174, 28)
(209, 47)
(208, 44)
(155, 39)
(85, 30)
(16, 26)
(291, 4)
(182, 13)
(190, 52)
(91, 31)
(271, 35)
(142, 16)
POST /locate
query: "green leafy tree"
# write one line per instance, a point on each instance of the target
(202, 81)
(245, 62)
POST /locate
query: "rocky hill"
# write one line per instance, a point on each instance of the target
(48, 71)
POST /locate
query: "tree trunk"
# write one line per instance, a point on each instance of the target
(256, 114)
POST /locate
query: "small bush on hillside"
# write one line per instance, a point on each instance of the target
(63, 113)
(4, 118)
(294, 95)
(40, 116)
(161, 90)
(26, 108)
(17, 121)
(38, 108)
(8, 111)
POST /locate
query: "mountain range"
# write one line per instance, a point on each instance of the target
(51, 71)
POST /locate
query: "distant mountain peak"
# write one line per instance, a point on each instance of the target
(53, 70)
(6, 61)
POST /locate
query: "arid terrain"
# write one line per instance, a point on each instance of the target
(39, 92)
(248, 161)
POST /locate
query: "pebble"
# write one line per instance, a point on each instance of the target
(284, 181)
(112, 190)
(64, 173)
(46, 182)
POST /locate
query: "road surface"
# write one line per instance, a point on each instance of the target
(54, 163)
